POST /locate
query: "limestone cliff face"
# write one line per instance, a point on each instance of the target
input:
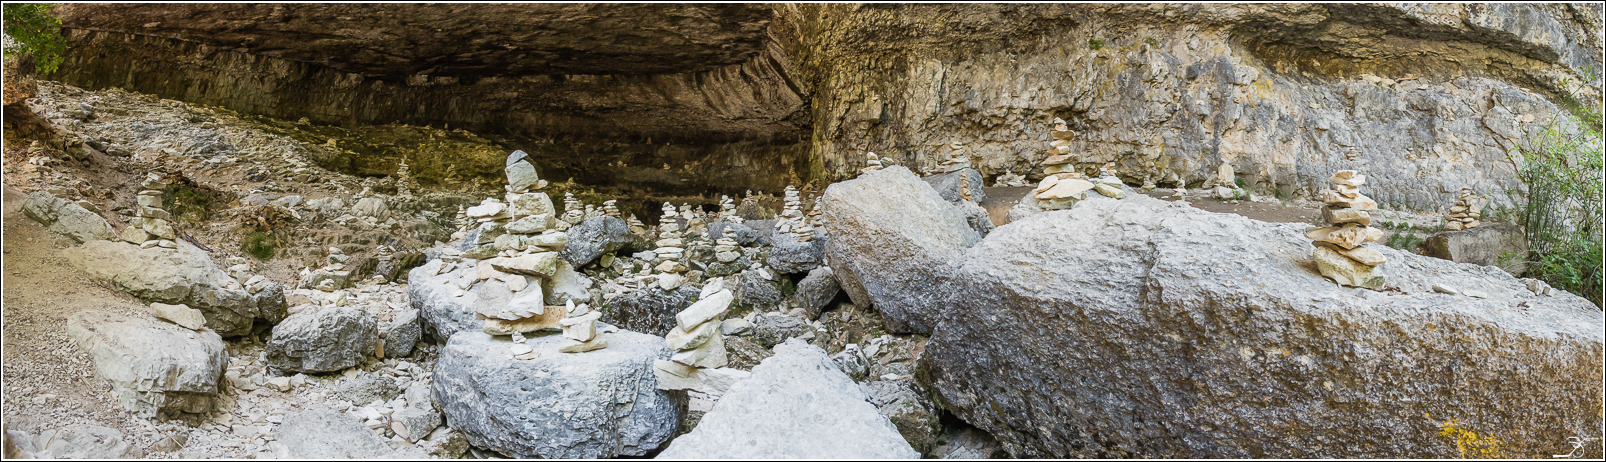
(1171, 92)
(1425, 98)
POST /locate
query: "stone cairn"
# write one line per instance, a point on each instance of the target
(873, 164)
(669, 250)
(150, 227)
(1011, 179)
(464, 223)
(1339, 254)
(573, 213)
(404, 180)
(1464, 215)
(591, 212)
(698, 362)
(791, 213)
(1107, 183)
(580, 329)
(636, 226)
(726, 249)
(1062, 186)
(956, 161)
(332, 276)
(609, 209)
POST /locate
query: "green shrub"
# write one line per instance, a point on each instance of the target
(34, 32)
(259, 245)
(1095, 44)
(1559, 204)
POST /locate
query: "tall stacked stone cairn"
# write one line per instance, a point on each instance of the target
(404, 180)
(698, 364)
(818, 213)
(1107, 183)
(1464, 215)
(511, 300)
(791, 213)
(956, 161)
(573, 212)
(873, 164)
(609, 209)
(1339, 252)
(669, 250)
(726, 249)
(727, 208)
(463, 222)
(1059, 149)
(150, 227)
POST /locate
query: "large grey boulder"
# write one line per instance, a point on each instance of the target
(650, 310)
(155, 369)
(952, 185)
(745, 234)
(893, 240)
(797, 404)
(755, 292)
(444, 308)
(597, 404)
(321, 433)
(908, 407)
(1489, 244)
(181, 276)
(1139, 328)
(596, 236)
(66, 218)
(323, 339)
(792, 256)
(816, 290)
(402, 332)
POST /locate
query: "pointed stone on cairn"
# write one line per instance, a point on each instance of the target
(873, 164)
(1465, 214)
(1339, 254)
(521, 175)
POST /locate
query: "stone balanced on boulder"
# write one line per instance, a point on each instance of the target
(1464, 215)
(1339, 254)
(873, 164)
(151, 228)
(522, 259)
(1107, 183)
(698, 364)
(1061, 190)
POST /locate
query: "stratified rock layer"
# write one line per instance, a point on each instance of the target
(155, 369)
(1134, 328)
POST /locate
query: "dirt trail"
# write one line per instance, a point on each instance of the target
(49, 382)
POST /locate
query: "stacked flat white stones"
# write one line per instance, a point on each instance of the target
(873, 164)
(509, 296)
(1010, 179)
(818, 213)
(1464, 215)
(335, 268)
(957, 159)
(1107, 183)
(609, 209)
(464, 223)
(695, 218)
(727, 208)
(150, 227)
(573, 213)
(1339, 253)
(697, 365)
(1061, 190)
(669, 249)
(791, 213)
(726, 249)
(404, 180)
(580, 330)
(636, 226)
(1059, 148)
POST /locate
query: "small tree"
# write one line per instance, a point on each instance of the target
(1561, 169)
(30, 30)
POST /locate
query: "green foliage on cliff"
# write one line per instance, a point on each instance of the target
(33, 31)
(1561, 168)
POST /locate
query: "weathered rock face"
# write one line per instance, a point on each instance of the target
(1136, 328)
(322, 433)
(1489, 244)
(155, 369)
(444, 308)
(596, 236)
(601, 403)
(730, 95)
(323, 340)
(795, 405)
(1170, 92)
(66, 218)
(182, 276)
(892, 239)
(651, 310)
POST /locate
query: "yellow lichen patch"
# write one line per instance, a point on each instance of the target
(1470, 444)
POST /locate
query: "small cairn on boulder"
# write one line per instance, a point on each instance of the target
(1107, 183)
(151, 227)
(609, 209)
(1339, 254)
(727, 208)
(1464, 215)
(956, 161)
(1060, 191)
(669, 250)
(580, 329)
(873, 164)
(698, 364)
(1010, 179)
(573, 213)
